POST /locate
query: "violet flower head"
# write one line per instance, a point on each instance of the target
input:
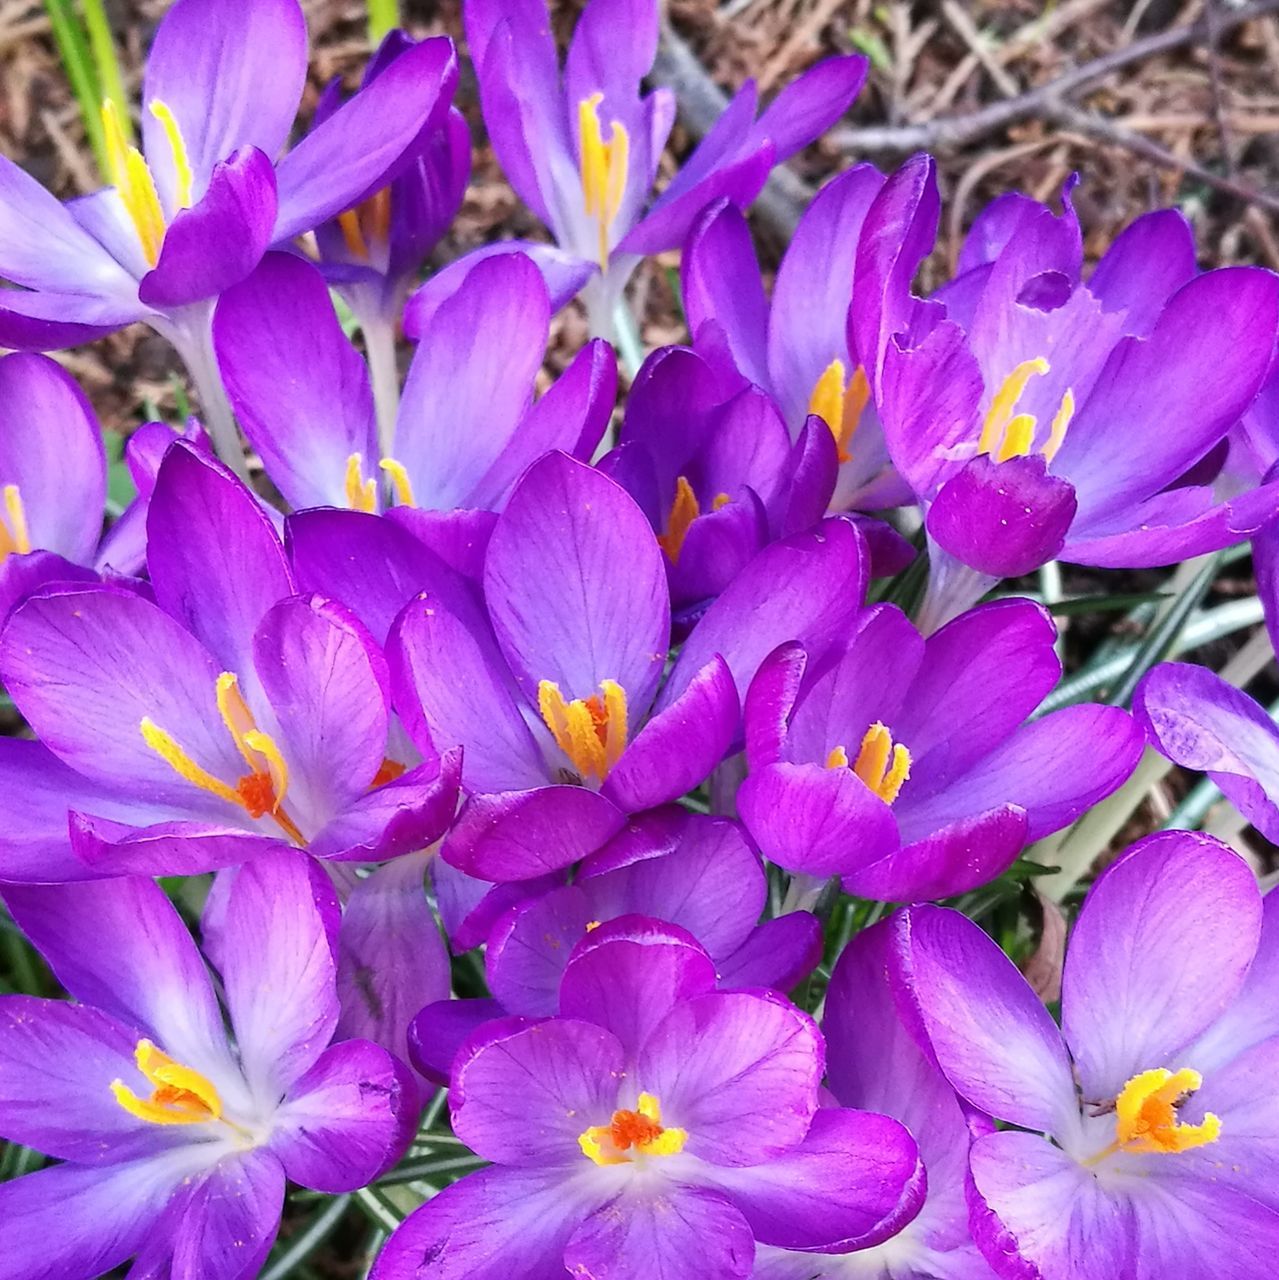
(212, 718)
(656, 1127)
(1140, 1138)
(1037, 416)
(907, 765)
(196, 214)
(467, 426)
(796, 345)
(551, 688)
(176, 1141)
(874, 1063)
(687, 870)
(582, 147)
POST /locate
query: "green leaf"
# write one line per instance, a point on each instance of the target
(77, 59)
(384, 16)
(872, 46)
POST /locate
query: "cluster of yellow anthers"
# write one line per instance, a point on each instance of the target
(1146, 1115)
(840, 401)
(882, 765)
(631, 1134)
(603, 168)
(1007, 434)
(590, 731)
(361, 492)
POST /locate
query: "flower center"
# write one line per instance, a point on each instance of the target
(603, 168)
(590, 731)
(132, 178)
(179, 1095)
(361, 492)
(684, 510)
(880, 764)
(258, 792)
(366, 229)
(631, 1134)
(840, 404)
(14, 535)
(1146, 1115)
(1007, 434)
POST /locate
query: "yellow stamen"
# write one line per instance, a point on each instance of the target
(367, 225)
(1018, 438)
(603, 166)
(1005, 400)
(183, 176)
(180, 1095)
(14, 534)
(353, 234)
(720, 500)
(237, 717)
(1007, 434)
(277, 770)
(400, 481)
(592, 731)
(1061, 420)
(132, 179)
(840, 404)
(1146, 1115)
(881, 765)
(167, 748)
(639, 1132)
(684, 510)
(361, 494)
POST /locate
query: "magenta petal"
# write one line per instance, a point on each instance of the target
(671, 1231)
(438, 1032)
(163, 848)
(344, 1121)
(854, 1181)
(281, 919)
(1150, 965)
(48, 321)
(491, 1225)
(994, 1040)
(824, 822)
(215, 560)
(561, 609)
(739, 1070)
(217, 242)
(1003, 518)
(629, 974)
(780, 953)
(529, 947)
(517, 835)
(680, 746)
(811, 104)
(523, 1091)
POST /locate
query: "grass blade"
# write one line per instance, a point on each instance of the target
(106, 60)
(73, 48)
(384, 16)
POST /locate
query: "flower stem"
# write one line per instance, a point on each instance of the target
(384, 373)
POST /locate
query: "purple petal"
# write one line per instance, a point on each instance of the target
(629, 974)
(994, 1040)
(438, 1032)
(181, 848)
(231, 79)
(343, 1122)
(810, 105)
(217, 242)
(1150, 965)
(215, 561)
(49, 321)
(739, 1071)
(669, 1232)
(561, 609)
(523, 1091)
(298, 387)
(780, 953)
(278, 968)
(529, 948)
(22, 576)
(1145, 265)
(355, 150)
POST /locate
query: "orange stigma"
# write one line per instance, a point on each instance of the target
(366, 229)
(1007, 434)
(840, 404)
(179, 1095)
(632, 1134)
(881, 765)
(590, 731)
(1146, 1119)
(684, 510)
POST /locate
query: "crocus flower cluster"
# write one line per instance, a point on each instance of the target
(626, 796)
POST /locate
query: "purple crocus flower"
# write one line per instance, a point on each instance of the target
(873, 1063)
(712, 467)
(582, 148)
(797, 345)
(657, 1127)
(906, 764)
(216, 716)
(551, 688)
(1141, 1137)
(1036, 416)
(177, 228)
(175, 1140)
(695, 872)
(466, 428)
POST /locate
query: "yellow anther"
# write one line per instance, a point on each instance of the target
(592, 731)
(592, 925)
(838, 758)
(720, 500)
(361, 494)
(276, 769)
(167, 748)
(1061, 420)
(368, 225)
(1007, 434)
(180, 1094)
(881, 765)
(603, 167)
(132, 179)
(236, 716)
(184, 179)
(400, 481)
(14, 534)
(353, 234)
(631, 1134)
(1005, 400)
(840, 404)
(1018, 438)
(684, 510)
(1146, 1116)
